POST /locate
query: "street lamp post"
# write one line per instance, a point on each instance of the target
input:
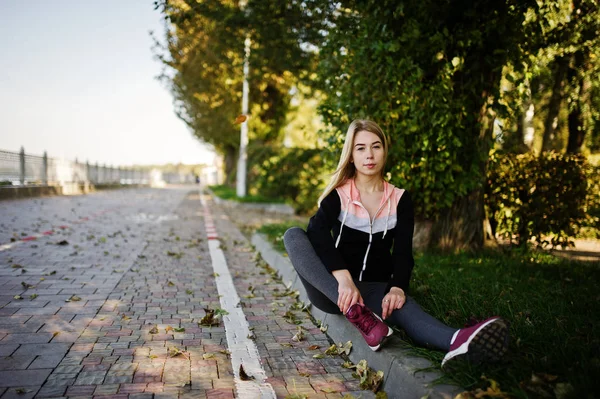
(242, 160)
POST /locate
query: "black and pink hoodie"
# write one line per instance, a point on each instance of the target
(372, 250)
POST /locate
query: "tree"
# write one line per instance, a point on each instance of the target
(429, 73)
(204, 59)
(204, 55)
(570, 34)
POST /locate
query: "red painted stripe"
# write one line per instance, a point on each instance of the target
(29, 238)
(47, 233)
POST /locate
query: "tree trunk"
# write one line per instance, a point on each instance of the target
(462, 226)
(528, 132)
(562, 65)
(230, 164)
(576, 114)
(576, 130)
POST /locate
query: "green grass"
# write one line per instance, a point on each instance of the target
(552, 305)
(274, 232)
(228, 193)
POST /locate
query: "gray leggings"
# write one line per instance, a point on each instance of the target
(322, 290)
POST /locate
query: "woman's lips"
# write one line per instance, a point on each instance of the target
(370, 165)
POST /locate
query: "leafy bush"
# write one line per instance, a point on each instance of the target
(529, 197)
(591, 226)
(291, 173)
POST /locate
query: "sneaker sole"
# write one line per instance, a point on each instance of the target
(489, 344)
(383, 340)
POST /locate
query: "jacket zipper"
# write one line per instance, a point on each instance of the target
(370, 234)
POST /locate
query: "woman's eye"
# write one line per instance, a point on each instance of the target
(360, 148)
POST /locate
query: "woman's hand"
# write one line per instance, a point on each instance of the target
(348, 294)
(393, 300)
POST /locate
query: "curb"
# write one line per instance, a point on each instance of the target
(284, 209)
(393, 360)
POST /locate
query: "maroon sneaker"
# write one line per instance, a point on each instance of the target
(484, 342)
(372, 328)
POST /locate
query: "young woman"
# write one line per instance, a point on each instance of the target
(364, 269)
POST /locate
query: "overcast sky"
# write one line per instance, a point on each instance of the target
(77, 79)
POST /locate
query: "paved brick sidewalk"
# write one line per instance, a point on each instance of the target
(106, 314)
(271, 310)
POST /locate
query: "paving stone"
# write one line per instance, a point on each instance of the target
(48, 310)
(43, 362)
(42, 349)
(107, 389)
(132, 388)
(7, 350)
(90, 378)
(58, 380)
(11, 320)
(118, 379)
(25, 392)
(222, 393)
(16, 378)
(67, 369)
(51, 391)
(123, 367)
(15, 362)
(141, 396)
(81, 390)
(38, 303)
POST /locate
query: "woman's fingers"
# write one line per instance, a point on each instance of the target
(344, 301)
(401, 302)
(385, 308)
(390, 303)
(348, 296)
(355, 298)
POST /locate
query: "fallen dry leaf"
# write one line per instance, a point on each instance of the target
(241, 119)
(244, 376)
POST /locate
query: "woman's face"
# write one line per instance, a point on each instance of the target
(367, 153)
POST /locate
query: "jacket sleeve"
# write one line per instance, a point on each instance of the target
(319, 232)
(402, 254)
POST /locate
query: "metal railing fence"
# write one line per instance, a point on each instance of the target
(20, 169)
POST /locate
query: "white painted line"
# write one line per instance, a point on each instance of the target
(243, 349)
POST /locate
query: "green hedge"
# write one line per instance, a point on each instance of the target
(295, 174)
(545, 198)
(591, 226)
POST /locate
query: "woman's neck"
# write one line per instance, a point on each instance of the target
(368, 184)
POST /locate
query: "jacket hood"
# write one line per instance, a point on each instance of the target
(349, 191)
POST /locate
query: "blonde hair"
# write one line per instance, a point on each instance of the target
(346, 169)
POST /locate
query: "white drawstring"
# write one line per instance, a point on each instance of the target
(343, 221)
